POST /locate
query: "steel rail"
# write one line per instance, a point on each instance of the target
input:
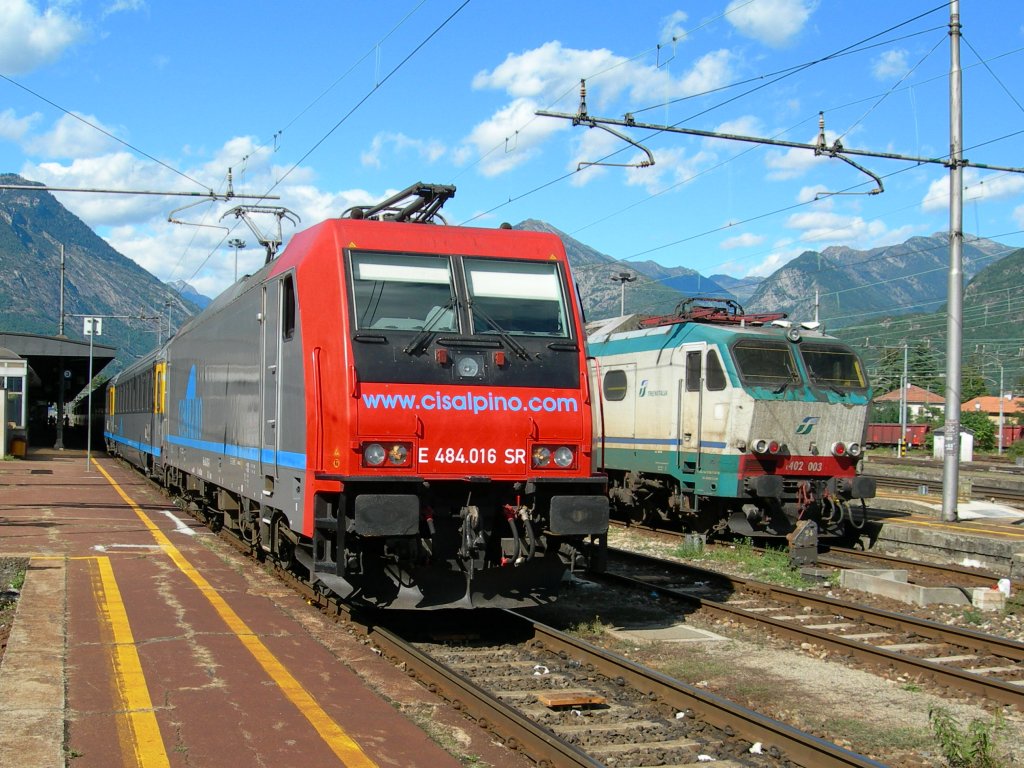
(995, 690)
(803, 748)
(515, 730)
(518, 733)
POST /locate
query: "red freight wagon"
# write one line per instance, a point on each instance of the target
(889, 434)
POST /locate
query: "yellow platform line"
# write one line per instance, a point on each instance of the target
(146, 742)
(346, 749)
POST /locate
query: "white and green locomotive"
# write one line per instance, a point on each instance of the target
(720, 420)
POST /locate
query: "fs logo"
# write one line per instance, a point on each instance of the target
(805, 426)
(643, 387)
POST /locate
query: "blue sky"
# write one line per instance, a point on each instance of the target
(330, 104)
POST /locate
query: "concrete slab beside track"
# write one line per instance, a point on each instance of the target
(987, 535)
(139, 640)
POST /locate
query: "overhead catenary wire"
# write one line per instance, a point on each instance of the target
(104, 131)
(729, 225)
(377, 86)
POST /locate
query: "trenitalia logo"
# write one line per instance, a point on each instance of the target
(472, 402)
(805, 426)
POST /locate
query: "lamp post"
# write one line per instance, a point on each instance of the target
(92, 326)
(623, 278)
(1000, 364)
(237, 243)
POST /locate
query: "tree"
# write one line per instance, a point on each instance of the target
(972, 383)
(923, 367)
(982, 427)
(886, 413)
(889, 370)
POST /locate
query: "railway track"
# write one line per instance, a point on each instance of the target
(1001, 466)
(597, 733)
(1011, 496)
(563, 702)
(919, 572)
(986, 666)
(589, 707)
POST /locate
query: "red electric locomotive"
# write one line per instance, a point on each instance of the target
(399, 406)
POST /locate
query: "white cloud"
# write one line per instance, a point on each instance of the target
(987, 188)
(890, 65)
(772, 22)
(544, 73)
(119, 6)
(746, 240)
(792, 163)
(808, 194)
(14, 128)
(993, 187)
(673, 166)
(833, 228)
(120, 170)
(429, 150)
(551, 73)
(511, 137)
(745, 125)
(1018, 215)
(195, 250)
(771, 263)
(672, 29)
(937, 196)
(30, 38)
(710, 71)
(72, 136)
(593, 146)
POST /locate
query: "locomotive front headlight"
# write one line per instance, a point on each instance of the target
(564, 456)
(398, 455)
(839, 449)
(468, 367)
(374, 454)
(541, 456)
(759, 446)
(853, 449)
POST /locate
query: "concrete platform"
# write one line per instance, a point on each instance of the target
(140, 639)
(986, 535)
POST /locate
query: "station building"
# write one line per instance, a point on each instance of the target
(41, 376)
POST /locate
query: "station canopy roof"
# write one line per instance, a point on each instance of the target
(49, 356)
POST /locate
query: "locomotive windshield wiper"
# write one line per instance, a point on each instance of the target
(422, 339)
(518, 348)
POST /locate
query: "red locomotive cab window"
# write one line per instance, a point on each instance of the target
(403, 291)
(287, 308)
(520, 298)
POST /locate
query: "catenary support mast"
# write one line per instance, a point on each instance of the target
(954, 319)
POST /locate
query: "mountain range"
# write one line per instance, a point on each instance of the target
(98, 281)
(852, 286)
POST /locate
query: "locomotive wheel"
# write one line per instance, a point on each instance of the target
(284, 542)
